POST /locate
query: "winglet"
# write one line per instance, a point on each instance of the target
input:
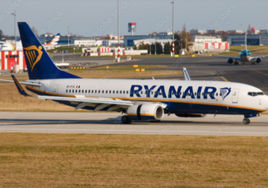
(19, 87)
(186, 74)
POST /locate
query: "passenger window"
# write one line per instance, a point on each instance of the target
(141, 92)
(127, 92)
(82, 91)
(70, 90)
(85, 91)
(113, 91)
(79, 91)
(106, 91)
(116, 92)
(99, 91)
(96, 91)
(66, 90)
(110, 91)
(216, 94)
(120, 92)
(75, 91)
(123, 92)
(102, 91)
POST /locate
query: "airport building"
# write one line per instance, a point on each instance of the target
(252, 39)
(197, 32)
(129, 39)
(201, 38)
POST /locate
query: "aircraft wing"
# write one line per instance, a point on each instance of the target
(97, 103)
(256, 57)
(237, 58)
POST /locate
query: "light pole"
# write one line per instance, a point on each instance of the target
(118, 24)
(172, 55)
(68, 35)
(15, 28)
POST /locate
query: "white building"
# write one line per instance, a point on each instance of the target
(152, 41)
(201, 38)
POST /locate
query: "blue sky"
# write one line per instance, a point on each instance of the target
(98, 17)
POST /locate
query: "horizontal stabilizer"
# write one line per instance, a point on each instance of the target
(19, 87)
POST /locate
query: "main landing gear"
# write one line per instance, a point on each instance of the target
(126, 120)
(246, 121)
(236, 63)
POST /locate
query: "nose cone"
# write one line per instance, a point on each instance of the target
(265, 102)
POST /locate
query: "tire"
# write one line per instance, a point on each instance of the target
(246, 121)
(126, 120)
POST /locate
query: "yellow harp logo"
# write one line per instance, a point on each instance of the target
(33, 55)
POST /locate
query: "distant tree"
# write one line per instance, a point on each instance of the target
(1, 34)
(167, 48)
(249, 29)
(35, 31)
(223, 35)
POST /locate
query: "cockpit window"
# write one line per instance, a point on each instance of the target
(253, 94)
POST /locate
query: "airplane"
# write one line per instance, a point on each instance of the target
(244, 56)
(141, 100)
(11, 46)
(53, 43)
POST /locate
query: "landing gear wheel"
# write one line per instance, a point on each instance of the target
(236, 63)
(253, 63)
(246, 121)
(126, 120)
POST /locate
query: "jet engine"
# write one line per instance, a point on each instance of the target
(258, 60)
(150, 111)
(230, 60)
(191, 115)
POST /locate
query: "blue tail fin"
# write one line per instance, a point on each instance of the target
(39, 64)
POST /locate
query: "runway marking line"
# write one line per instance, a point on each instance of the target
(255, 70)
(224, 79)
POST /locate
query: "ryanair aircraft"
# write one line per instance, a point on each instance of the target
(137, 99)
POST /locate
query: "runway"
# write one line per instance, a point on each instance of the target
(199, 68)
(109, 123)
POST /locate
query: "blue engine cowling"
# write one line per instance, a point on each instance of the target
(258, 60)
(230, 60)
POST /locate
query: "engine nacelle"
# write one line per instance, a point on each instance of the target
(230, 60)
(258, 60)
(191, 115)
(150, 111)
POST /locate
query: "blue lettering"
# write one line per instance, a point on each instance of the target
(135, 91)
(188, 92)
(160, 91)
(211, 93)
(148, 91)
(199, 92)
(172, 91)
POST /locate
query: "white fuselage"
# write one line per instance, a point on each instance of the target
(180, 96)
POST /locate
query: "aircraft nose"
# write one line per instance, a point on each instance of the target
(265, 103)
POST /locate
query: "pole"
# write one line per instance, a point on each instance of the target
(155, 47)
(68, 35)
(15, 28)
(173, 51)
(118, 24)
(150, 47)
